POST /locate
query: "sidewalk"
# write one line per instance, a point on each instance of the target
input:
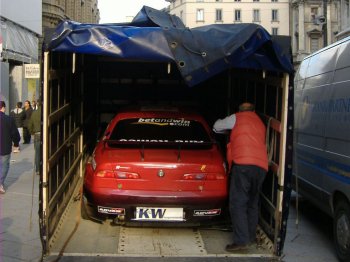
(19, 225)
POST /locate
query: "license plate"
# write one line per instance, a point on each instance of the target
(159, 214)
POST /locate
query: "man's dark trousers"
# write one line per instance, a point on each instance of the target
(246, 182)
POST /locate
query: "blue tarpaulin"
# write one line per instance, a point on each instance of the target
(199, 53)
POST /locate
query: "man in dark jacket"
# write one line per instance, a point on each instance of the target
(9, 136)
(28, 113)
(34, 127)
(18, 115)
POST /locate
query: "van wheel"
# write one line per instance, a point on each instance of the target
(341, 230)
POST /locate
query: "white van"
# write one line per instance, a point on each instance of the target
(321, 170)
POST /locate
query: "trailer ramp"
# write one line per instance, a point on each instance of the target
(103, 242)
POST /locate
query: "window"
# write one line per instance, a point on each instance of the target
(314, 44)
(274, 0)
(256, 0)
(274, 31)
(274, 15)
(237, 0)
(200, 14)
(218, 0)
(256, 15)
(218, 15)
(314, 13)
(237, 15)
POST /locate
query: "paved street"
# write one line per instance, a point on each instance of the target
(310, 241)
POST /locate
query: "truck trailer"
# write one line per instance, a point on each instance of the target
(92, 71)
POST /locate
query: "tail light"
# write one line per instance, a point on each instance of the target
(117, 174)
(204, 176)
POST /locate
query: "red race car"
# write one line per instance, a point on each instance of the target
(156, 165)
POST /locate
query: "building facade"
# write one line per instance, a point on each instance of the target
(20, 29)
(273, 15)
(83, 11)
(316, 24)
(312, 24)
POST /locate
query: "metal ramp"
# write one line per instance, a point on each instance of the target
(83, 240)
(160, 242)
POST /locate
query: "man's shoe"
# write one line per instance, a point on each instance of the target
(236, 248)
(16, 150)
(2, 189)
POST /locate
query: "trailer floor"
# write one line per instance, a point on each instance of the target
(91, 240)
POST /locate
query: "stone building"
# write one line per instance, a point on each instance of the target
(83, 11)
(312, 24)
(20, 29)
(316, 24)
(273, 15)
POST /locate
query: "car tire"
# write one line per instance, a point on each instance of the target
(341, 230)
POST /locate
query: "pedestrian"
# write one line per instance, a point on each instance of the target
(34, 105)
(9, 137)
(34, 127)
(248, 162)
(18, 115)
(27, 114)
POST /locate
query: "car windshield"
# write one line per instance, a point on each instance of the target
(160, 131)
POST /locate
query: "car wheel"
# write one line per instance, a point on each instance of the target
(341, 229)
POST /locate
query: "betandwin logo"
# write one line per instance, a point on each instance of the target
(164, 121)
